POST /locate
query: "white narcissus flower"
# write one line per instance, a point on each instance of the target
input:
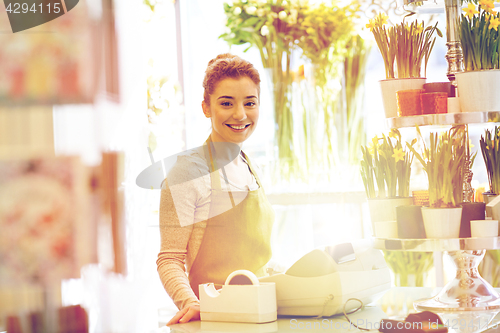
(251, 10)
(284, 3)
(261, 12)
(237, 11)
(264, 31)
(282, 15)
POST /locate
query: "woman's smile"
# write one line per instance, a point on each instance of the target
(238, 128)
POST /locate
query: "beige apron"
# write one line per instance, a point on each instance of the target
(237, 238)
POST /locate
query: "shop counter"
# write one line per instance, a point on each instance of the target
(397, 303)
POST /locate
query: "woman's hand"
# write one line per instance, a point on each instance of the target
(190, 312)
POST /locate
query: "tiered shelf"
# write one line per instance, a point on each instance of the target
(461, 118)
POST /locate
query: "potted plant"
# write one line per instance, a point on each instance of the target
(443, 161)
(491, 154)
(407, 45)
(479, 84)
(385, 170)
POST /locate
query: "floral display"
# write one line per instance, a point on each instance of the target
(480, 37)
(282, 31)
(387, 165)
(406, 44)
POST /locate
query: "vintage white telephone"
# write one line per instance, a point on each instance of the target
(320, 283)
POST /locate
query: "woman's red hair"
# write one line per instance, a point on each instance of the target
(224, 66)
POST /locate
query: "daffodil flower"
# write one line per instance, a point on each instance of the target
(470, 11)
(487, 5)
(398, 155)
(383, 19)
(372, 146)
(371, 25)
(393, 134)
(494, 23)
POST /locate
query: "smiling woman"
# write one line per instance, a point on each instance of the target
(210, 228)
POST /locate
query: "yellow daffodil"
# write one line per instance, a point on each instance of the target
(470, 10)
(373, 145)
(487, 5)
(398, 155)
(419, 28)
(383, 19)
(371, 24)
(494, 23)
(470, 144)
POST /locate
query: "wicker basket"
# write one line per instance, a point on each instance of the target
(421, 198)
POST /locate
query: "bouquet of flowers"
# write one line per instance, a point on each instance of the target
(278, 28)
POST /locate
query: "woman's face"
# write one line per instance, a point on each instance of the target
(234, 110)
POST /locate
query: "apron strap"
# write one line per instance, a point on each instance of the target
(214, 172)
(251, 168)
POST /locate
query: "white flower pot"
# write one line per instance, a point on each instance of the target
(383, 210)
(484, 228)
(479, 91)
(389, 88)
(442, 222)
(386, 229)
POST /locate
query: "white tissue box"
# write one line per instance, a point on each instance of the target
(251, 303)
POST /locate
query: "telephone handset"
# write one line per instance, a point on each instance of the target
(321, 281)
